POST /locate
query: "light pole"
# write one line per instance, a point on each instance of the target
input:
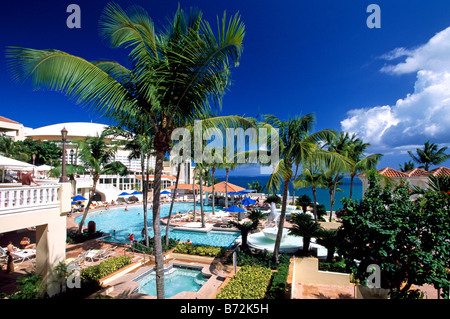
(63, 178)
(71, 156)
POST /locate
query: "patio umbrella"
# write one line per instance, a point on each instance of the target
(165, 193)
(248, 201)
(136, 193)
(123, 194)
(79, 197)
(234, 209)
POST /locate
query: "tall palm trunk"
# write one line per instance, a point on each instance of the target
(293, 187)
(201, 199)
(159, 262)
(193, 189)
(227, 170)
(144, 197)
(333, 195)
(351, 185)
(276, 249)
(314, 190)
(171, 204)
(86, 210)
(213, 169)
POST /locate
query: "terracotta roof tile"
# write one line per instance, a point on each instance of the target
(440, 171)
(4, 119)
(416, 172)
(390, 172)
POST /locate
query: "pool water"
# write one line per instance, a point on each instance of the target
(177, 279)
(120, 222)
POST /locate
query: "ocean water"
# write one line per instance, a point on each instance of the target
(323, 197)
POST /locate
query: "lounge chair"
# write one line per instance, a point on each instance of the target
(80, 259)
(107, 252)
(3, 254)
(94, 254)
(23, 255)
(224, 223)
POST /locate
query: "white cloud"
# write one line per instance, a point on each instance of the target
(423, 114)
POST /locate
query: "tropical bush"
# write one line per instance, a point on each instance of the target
(261, 258)
(408, 238)
(278, 286)
(201, 250)
(250, 282)
(28, 286)
(104, 268)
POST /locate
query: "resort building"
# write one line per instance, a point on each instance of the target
(43, 208)
(109, 185)
(415, 177)
(12, 129)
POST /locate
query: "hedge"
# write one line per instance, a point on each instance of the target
(201, 250)
(250, 282)
(279, 283)
(104, 268)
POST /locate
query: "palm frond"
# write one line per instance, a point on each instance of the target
(79, 79)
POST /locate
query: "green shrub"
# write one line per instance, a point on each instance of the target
(200, 250)
(104, 268)
(262, 258)
(251, 282)
(278, 287)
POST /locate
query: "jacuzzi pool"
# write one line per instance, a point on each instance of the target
(176, 279)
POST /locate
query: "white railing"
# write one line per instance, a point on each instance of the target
(26, 198)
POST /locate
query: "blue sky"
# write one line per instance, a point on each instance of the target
(388, 85)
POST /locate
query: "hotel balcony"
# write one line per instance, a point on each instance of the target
(44, 207)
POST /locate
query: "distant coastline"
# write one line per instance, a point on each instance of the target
(323, 197)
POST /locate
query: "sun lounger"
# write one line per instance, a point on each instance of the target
(23, 255)
(107, 252)
(3, 254)
(94, 254)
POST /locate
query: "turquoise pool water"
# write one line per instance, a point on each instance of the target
(123, 223)
(178, 279)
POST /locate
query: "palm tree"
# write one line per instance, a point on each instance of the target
(407, 166)
(328, 239)
(429, 155)
(304, 226)
(96, 155)
(332, 183)
(137, 141)
(176, 75)
(304, 201)
(355, 151)
(296, 144)
(247, 226)
(312, 175)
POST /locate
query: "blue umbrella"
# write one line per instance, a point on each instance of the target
(245, 191)
(123, 194)
(235, 209)
(78, 197)
(248, 201)
(165, 193)
(136, 193)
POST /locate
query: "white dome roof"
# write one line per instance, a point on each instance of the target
(75, 130)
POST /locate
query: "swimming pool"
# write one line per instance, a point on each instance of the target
(123, 223)
(176, 280)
